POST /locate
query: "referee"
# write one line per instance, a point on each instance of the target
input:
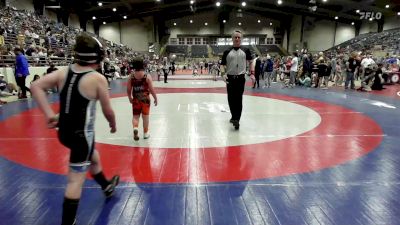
(233, 70)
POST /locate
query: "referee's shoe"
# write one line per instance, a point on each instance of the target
(236, 124)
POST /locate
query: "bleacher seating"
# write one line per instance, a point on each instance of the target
(219, 49)
(199, 51)
(53, 38)
(177, 49)
(270, 49)
(387, 41)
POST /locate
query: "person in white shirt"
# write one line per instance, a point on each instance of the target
(367, 61)
(293, 69)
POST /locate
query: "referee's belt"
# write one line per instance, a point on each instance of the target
(236, 76)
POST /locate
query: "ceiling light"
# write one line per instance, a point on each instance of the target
(224, 21)
(280, 2)
(352, 23)
(398, 13)
(243, 3)
(270, 24)
(104, 22)
(240, 24)
(100, 4)
(258, 21)
(336, 17)
(324, 0)
(174, 24)
(114, 9)
(158, 0)
(387, 6)
(205, 24)
(357, 11)
(125, 17)
(191, 21)
(94, 17)
(191, 2)
(218, 4)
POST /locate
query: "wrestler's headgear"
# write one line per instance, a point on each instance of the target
(88, 50)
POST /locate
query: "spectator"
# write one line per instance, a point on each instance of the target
(6, 89)
(306, 82)
(268, 70)
(352, 67)
(257, 71)
(35, 77)
(293, 69)
(21, 40)
(1, 39)
(21, 72)
(51, 68)
(378, 79)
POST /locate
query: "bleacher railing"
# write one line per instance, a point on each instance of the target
(9, 61)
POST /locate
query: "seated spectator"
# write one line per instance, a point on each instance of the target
(378, 79)
(306, 82)
(7, 89)
(51, 68)
(35, 77)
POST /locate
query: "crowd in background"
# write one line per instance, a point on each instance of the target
(43, 42)
(43, 39)
(324, 70)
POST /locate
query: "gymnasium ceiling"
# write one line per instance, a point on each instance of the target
(171, 9)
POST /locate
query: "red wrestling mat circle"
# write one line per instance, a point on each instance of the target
(342, 135)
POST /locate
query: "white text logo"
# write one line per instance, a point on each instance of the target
(370, 15)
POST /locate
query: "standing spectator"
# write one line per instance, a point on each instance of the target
(21, 71)
(165, 69)
(338, 78)
(173, 67)
(2, 39)
(233, 70)
(140, 86)
(333, 68)
(307, 66)
(81, 86)
(268, 69)
(323, 74)
(257, 71)
(293, 69)
(352, 67)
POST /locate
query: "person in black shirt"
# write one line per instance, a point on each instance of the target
(233, 69)
(81, 86)
(322, 71)
(257, 72)
(378, 80)
(352, 67)
(51, 68)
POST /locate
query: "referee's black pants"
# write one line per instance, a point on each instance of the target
(235, 89)
(21, 83)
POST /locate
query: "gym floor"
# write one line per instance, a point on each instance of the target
(301, 156)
